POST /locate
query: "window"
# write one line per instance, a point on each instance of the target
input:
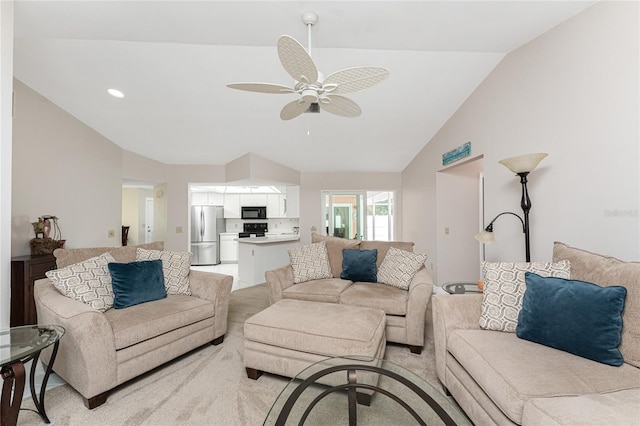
(365, 215)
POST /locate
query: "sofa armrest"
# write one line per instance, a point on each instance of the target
(86, 356)
(452, 312)
(278, 280)
(420, 290)
(215, 288)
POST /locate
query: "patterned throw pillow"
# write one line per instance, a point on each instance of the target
(175, 266)
(399, 266)
(504, 287)
(88, 282)
(310, 262)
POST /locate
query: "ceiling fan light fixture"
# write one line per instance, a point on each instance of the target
(314, 107)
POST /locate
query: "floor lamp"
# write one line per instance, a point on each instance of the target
(521, 165)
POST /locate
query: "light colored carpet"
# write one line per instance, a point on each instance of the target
(208, 386)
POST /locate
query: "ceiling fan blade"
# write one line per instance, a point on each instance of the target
(261, 87)
(351, 80)
(293, 109)
(339, 105)
(296, 61)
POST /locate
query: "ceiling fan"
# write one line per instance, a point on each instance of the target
(315, 91)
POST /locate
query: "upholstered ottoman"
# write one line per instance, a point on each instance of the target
(291, 335)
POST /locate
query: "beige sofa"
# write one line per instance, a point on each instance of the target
(100, 351)
(498, 378)
(405, 310)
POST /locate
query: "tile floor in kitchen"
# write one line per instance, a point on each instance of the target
(54, 380)
(222, 268)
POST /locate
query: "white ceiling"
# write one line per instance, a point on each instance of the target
(173, 59)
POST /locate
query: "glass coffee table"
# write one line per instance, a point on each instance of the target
(18, 346)
(461, 287)
(361, 391)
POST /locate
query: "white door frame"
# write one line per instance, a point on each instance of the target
(148, 219)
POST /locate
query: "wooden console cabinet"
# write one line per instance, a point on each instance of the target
(25, 270)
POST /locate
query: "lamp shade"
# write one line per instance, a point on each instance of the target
(485, 237)
(523, 163)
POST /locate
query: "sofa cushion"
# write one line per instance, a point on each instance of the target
(359, 265)
(310, 262)
(611, 409)
(504, 286)
(383, 247)
(399, 266)
(393, 301)
(326, 290)
(335, 246)
(512, 370)
(175, 267)
(136, 282)
(607, 271)
(147, 320)
(574, 316)
(300, 326)
(65, 257)
(88, 281)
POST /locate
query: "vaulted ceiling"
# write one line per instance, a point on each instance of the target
(173, 59)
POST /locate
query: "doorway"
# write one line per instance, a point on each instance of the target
(344, 214)
(459, 216)
(148, 219)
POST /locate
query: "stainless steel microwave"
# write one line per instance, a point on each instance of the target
(252, 212)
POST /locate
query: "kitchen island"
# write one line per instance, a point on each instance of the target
(256, 255)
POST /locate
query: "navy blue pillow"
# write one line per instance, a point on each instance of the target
(136, 282)
(359, 265)
(574, 316)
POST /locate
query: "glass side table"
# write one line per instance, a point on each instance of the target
(332, 391)
(19, 345)
(461, 287)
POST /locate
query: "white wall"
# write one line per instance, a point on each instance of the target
(572, 92)
(6, 89)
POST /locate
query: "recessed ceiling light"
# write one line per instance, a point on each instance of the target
(115, 93)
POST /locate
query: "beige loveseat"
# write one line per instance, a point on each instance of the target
(498, 378)
(405, 309)
(100, 351)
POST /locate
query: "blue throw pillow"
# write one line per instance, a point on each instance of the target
(136, 282)
(574, 316)
(359, 265)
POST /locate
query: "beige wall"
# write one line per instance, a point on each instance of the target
(572, 92)
(64, 168)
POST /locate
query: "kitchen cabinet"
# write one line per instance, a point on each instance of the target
(231, 206)
(228, 248)
(25, 270)
(253, 200)
(276, 206)
(207, 199)
(293, 202)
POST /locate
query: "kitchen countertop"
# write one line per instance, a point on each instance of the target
(269, 239)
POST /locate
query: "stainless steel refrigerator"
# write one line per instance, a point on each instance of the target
(207, 222)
